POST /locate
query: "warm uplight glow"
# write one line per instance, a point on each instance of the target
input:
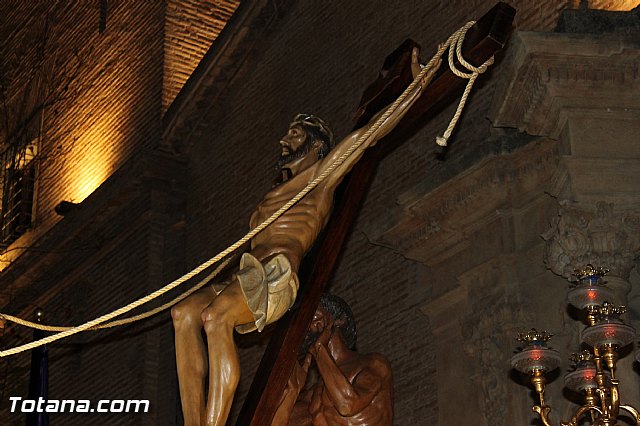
(608, 334)
(582, 378)
(96, 153)
(533, 359)
(91, 169)
(88, 179)
(7, 257)
(614, 6)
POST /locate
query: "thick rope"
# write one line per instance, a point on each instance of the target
(456, 40)
(103, 320)
(129, 320)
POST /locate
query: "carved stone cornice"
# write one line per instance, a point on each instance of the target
(582, 90)
(548, 75)
(440, 224)
(598, 234)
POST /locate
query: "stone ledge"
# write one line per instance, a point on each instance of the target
(549, 74)
(438, 225)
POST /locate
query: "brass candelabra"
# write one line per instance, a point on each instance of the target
(594, 373)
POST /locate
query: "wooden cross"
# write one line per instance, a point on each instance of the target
(482, 41)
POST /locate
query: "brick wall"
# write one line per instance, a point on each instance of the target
(190, 28)
(104, 87)
(318, 60)
(613, 5)
(104, 71)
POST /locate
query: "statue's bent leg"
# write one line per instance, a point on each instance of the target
(227, 310)
(191, 358)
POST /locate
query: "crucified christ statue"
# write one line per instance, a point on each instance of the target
(265, 285)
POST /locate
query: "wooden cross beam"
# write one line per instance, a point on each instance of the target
(482, 41)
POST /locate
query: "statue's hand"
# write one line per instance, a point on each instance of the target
(299, 375)
(426, 79)
(415, 62)
(326, 329)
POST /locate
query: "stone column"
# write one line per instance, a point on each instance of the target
(599, 235)
(602, 236)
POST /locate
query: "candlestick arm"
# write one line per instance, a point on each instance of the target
(633, 412)
(579, 413)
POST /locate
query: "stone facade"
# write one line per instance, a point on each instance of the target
(446, 260)
(571, 186)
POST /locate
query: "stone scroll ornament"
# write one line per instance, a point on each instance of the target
(598, 235)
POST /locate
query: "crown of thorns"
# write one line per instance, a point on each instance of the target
(314, 122)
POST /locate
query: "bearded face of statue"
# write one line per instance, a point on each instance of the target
(296, 143)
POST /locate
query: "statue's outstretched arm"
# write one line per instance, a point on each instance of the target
(389, 124)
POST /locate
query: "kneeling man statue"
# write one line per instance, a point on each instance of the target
(352, 389)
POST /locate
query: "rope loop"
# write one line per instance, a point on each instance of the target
(455, 43)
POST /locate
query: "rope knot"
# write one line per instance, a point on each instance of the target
(441, 141)
(485, 66)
